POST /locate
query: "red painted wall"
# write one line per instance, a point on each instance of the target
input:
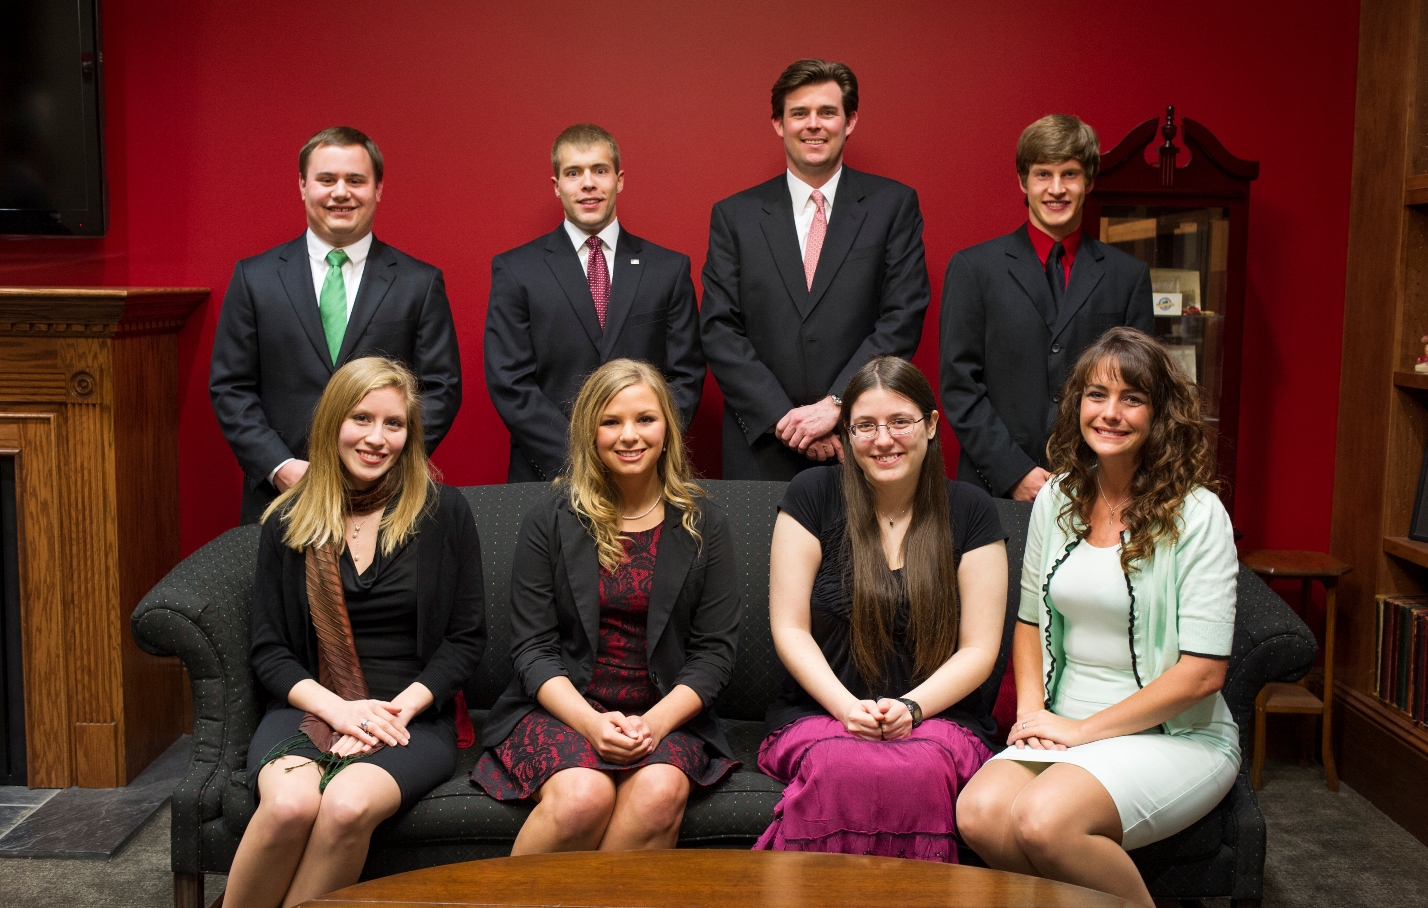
(208, 103)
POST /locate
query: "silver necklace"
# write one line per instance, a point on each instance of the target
(646, 513)
(357, 527)
(1113, 507)
(897, 516)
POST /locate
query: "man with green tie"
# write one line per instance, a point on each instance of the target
(295, 314)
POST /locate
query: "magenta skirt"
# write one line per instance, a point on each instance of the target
(889, 798)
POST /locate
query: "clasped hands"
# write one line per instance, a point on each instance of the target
(882, 720)
(1044, 730)
(386, 723)
(620, 739)
(809, 430)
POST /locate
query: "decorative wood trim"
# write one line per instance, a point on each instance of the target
(96, 311)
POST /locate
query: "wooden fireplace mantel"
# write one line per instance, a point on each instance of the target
(88, 409)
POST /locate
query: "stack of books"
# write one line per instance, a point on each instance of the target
(1401, 672)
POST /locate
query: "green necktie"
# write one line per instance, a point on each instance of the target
(333, 303)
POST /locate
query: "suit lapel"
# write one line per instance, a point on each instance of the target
(847, 220)
(377, 277)
(564, 263)
(623, 288)
(1026, 269)
(1086, 273)
(672, 562)
(782, 237)
(296, 275)
(582, 567)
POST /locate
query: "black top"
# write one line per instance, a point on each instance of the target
(444, 558)
(381, 605)
(815, 499)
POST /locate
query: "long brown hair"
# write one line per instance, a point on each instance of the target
(928, 559)
(319, 500)
(592, 490)
(1177, 455)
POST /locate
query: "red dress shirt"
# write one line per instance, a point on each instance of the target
(1042, 242)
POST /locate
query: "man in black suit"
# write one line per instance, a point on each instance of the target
(587, 293)
(1017, 312)
(808, 277)
(296, 313)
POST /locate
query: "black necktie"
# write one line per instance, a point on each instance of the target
(1055, 274)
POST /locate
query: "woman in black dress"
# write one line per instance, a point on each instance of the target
(367, 618)
(624, 622)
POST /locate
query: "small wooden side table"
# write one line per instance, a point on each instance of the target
(1278, 697)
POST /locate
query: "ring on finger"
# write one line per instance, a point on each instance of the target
(363, 725)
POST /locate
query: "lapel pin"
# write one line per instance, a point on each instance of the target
(634, 261)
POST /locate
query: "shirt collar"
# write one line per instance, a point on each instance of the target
(609, 236)
(356, 252)
(801, 191)
(1042, 243)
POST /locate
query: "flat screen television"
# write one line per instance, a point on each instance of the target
(51, 119)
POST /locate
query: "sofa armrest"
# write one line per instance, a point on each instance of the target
(1272, 643)
(199, 612)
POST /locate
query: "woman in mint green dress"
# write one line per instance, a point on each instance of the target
(1127, 616)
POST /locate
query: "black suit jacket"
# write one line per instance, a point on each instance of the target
(543, 337)
(694, 608)
(450, 597)
(1006, 349)
(271, 362)
(774, 344)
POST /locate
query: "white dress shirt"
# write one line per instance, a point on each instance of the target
(608, 238)
(352, 269)
(804, 208)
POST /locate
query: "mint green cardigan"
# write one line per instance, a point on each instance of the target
(1182, 599)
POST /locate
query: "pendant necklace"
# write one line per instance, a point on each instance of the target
(647, 513)
(357, 527)
(897, 516)
(1113, 507)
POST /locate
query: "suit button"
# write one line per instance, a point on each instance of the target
(1056, 398)
(1055, 348)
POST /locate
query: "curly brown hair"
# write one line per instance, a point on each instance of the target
(1176, 458)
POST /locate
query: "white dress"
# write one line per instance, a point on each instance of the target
(1160, 783)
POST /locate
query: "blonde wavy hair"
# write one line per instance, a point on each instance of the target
(1177, 455)
(314, 510)
(592, 489)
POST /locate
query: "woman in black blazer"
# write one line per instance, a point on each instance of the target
(624, 623)
(367, 618)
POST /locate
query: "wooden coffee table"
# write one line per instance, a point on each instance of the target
(699, 878)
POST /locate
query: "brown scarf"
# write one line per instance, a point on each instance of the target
(338, 668)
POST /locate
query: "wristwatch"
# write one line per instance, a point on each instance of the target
(914, 708)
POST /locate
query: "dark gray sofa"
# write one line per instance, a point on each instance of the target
(199, 612)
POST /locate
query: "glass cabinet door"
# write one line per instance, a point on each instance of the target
(1187, 250)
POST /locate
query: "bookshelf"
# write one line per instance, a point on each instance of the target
(1383, 403)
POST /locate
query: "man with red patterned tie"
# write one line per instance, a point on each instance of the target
(809, 276)
(567, 302)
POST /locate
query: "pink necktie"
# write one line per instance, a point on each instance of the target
(816, 233)
(598, 274)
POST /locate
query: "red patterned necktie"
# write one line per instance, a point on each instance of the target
(597, 272)
(816, 232)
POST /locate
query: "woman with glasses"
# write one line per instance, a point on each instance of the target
(887, 595)
(624, 621)
(1127, 617)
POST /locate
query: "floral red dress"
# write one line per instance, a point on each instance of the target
(541, 745)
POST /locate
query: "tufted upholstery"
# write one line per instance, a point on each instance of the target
(199, 612)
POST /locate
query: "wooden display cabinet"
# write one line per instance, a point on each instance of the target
(1383, 403)
(1185, 213)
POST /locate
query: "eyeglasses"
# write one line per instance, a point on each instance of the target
(896, 427)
